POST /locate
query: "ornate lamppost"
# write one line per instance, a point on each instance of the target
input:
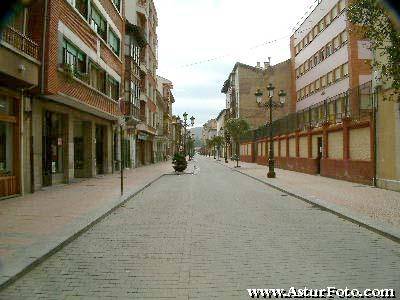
(185, 125)
(271, 105)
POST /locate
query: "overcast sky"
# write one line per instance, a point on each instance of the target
(192, 31)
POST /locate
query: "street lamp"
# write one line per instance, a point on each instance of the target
(185, 125)
(271, 105)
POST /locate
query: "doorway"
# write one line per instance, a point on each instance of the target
(319, 154)
(53, 148)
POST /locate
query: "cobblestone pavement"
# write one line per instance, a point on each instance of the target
(212, 236)
(378, 204)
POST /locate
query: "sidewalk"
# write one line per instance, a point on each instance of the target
(375, 208)
(37, 224)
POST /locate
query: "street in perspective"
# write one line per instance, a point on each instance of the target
(168, 149)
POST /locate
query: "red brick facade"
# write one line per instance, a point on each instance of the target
(55, 79)
(361, 171)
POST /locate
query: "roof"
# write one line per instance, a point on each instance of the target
(226, 84)
(221, 112)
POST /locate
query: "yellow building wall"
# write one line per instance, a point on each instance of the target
(283, 148)
(335, 145)
(303, 145)
(292, 147)
(360, 144)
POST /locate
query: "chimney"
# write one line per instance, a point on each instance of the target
(258, 65)
(267, 64)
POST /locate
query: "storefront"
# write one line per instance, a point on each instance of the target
(9, 146)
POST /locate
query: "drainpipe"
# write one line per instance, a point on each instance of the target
(46, 2)
(374, 110)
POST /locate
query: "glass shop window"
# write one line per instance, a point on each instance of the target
(7, 128)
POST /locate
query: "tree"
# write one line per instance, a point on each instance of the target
(380, 29)
(208, 146)
(237, 128)
(218, 141)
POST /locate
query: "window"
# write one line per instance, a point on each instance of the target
(297, 73)
(336, 43)
(18, 21)
(315, 30)
(312, 88)
(117, 4)
(317, 84)
(338, 73)
(302, 69)
(321, 25)
(329, 49)
(345, 69)
(328, 19)
(7, 145)
(114, 42)
(113, 88)
(97, 78)
(323, 81)
(298, 95)
(341, 5)
(322, 54)
(73, 57)
(334, 12)
(310, 37)
(330, 77)
(306, 66)
(302, 93)
(310, 62)
(307, 90)
(316, 59)
(343, 37)
(97, 22)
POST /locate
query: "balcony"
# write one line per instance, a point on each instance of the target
(20, 42)
(130, 110)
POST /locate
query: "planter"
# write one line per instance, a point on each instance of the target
(180, 167)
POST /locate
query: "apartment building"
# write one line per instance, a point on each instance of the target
(143, 15)
(164, 88)
(68, 61)
(20, 66)
(329, 130)
(244, 81)
(328, 61)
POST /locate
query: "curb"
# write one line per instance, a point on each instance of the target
(5, 283)
(378, 227)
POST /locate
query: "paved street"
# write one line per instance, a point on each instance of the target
(212, 235)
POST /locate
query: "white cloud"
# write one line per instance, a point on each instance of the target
(195, 30)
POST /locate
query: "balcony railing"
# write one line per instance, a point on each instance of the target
(356, 104)
(130, 110)
(20, 42)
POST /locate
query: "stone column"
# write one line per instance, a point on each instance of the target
(69, 170)
(37, 134)
(108, 159)
(90, 148)
(346, 138)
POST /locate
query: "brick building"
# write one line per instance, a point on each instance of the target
(20, 66)
(243, 83)
(143, 15)
(75, 70)
(329, 130)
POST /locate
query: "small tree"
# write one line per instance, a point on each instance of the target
(380, 28)
(237, 128)
(218, 141)
(208, 146)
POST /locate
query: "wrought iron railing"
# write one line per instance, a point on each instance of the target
(20, 42)
(356, 103)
